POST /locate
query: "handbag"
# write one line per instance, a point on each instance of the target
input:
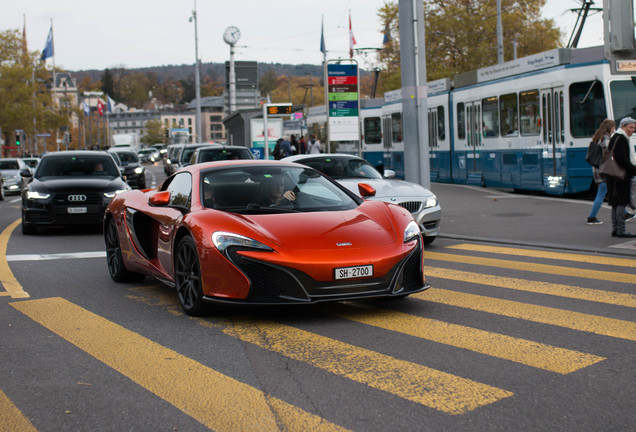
(594, 154)
(609, 168)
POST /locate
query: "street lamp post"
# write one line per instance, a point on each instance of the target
(196, 74)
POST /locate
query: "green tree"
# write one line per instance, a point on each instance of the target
(154, 132)
(108, 84)
(461, 35)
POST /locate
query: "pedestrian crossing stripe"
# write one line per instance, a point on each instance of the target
(561, 290)
(530, 353)
(540, 314)
(533, 267)
(11, 418)
(591, 259)
(219, 402)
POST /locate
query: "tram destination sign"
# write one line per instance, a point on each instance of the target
(343, 96)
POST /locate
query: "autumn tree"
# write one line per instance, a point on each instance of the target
(25, 97)
(154, 132)
(461, 35)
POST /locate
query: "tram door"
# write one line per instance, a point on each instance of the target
(552, 138)
(433, 145)
(474, 137)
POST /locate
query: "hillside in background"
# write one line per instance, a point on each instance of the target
(185, 72)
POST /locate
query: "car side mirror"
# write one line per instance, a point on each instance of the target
(389, 174)
(25, 172)
(160, 199)
(366, 190)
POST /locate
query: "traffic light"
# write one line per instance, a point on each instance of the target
(18, 139)
(167, 133)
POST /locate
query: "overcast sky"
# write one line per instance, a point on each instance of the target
(91, 34)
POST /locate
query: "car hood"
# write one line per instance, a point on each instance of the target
(9, 172)
(85, 184)
(385, 189)
(369, 225)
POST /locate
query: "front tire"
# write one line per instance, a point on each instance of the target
(114, 258)
(188, 277)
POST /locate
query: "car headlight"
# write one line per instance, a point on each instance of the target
(33, 195)
(139, 170)
(411, 232)
(223, 240)
(113, 193)
(430, 202)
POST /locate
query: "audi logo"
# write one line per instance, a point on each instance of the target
(77, 198)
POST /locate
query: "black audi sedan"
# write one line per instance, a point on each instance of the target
(70, 188)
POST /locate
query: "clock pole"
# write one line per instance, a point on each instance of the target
(232, 81)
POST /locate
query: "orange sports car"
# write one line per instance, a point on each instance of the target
(262, 232)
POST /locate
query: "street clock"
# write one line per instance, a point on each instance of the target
(231, 35)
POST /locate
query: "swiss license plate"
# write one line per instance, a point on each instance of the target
(76, 210)
(354, 272)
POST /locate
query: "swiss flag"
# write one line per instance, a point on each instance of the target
(100, 107)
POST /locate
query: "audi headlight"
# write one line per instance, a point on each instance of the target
(33, 195)
(223, 240)
(430, 202)
(411, 232)
(139, 170)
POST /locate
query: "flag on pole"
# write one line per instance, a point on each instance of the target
(110, 104)
(387, 34)
(352, 40)
(100, 107)
(323, 48)
(48, 51)
(85, 108)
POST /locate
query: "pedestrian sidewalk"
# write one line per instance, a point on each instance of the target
(494, 215)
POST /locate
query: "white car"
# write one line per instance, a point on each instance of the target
(12, 170)
(349, 170)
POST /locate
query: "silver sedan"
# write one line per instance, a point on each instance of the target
(349, 170)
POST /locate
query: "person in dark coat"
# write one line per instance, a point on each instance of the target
(619, 190)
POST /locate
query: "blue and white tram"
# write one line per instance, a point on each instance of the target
(371, 132)
(526, 124)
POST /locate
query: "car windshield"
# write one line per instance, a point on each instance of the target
(272, 189)
(77, 166)
(209, 155)
(9, 165)
(128, 157)
(341, 168)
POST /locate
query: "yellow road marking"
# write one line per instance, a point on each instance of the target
(435, 389)
(534, 267)
(11, 418)
(600, 296)
(217, 401)
(591, 259)
(541, 314)
(420, 384)
(535, 354)
(14, 289)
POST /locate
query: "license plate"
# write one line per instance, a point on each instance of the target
(76, 210)
(354, 272)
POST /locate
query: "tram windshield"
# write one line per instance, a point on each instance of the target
(623, 99)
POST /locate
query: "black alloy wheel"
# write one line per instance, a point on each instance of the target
(188, 277)
(114, 258)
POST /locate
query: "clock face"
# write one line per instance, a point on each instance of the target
(231, 35)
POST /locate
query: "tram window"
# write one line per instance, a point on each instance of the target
(623, 99)
(529, 108)
(441, 126)
(396, 127)
(461, 121)
(509, 114)
(587, 108)
(490, 117)
(372, 130)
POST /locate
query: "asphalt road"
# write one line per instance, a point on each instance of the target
(528, 326)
